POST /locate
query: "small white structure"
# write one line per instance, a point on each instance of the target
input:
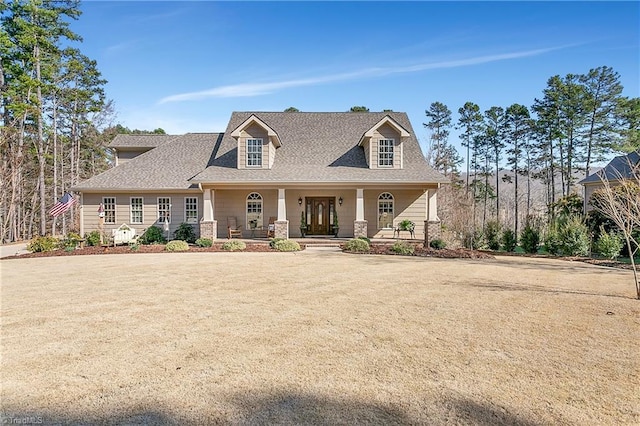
(124, 234)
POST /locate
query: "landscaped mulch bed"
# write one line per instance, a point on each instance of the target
(421, 251)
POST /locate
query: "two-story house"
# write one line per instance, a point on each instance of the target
(364, 170)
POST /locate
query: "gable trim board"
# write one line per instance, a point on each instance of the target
(304, 155)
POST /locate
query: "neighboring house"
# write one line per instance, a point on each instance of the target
(364, 169)
(620, 167)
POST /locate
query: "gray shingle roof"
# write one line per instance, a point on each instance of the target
(318, 147)
(140, 141)
(169, 166)
(618, 167)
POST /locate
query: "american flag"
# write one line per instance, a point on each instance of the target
(62, 205)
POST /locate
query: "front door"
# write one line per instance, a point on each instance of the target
(321, 210)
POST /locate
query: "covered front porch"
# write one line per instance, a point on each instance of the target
(309, 212)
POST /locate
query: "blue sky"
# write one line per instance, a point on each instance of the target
(185, 66)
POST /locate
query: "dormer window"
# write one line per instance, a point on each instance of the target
(385, 153)
(254, 152)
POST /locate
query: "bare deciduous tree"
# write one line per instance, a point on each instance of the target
(619, 200)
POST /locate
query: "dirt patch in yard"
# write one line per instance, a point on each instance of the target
(317, 338)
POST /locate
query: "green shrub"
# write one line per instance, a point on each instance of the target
(92, 238)
(204, 242)
(552, 240)
(40, 244)
(233, 245)
(152, 235)
(274, 241)
(509, 241)
(177, 245)
(134, 247)
(492, 233)
(475, 240)
(367, 239)
(401, 247)
(437, 244)
(609, 245)
(70, 242)
(530, 238)
(406, 225)
(287, 245)
(185, 232)
(574, 237)
(357, 245)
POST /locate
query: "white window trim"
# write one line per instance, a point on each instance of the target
(158, 209)
(186, 219)
(392, 152)
(115, 209)
(141, 210)
(260, 142)
(393, 209)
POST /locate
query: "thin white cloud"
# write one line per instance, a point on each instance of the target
(257, 89)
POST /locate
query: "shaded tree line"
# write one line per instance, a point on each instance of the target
(579, 120)
(55, 121)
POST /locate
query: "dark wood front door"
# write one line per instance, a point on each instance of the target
(320, 210)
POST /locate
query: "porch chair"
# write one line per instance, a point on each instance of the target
(271, 228)
(233, 228)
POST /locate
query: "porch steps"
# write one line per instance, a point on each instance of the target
(320, 244)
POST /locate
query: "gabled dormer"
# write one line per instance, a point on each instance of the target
(383, 147)
(257, 144)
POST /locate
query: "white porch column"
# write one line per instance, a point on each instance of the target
(282, 205)
(432, 229)
(208, 198)
(208, 225)
(359, 204)
(433, 205)
(360, 225)
(282, 224)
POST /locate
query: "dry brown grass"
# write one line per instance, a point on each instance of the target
(329, 338)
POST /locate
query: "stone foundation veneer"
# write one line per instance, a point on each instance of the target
(209, 229)
(359, 228)
(432, 231)
(282, 229)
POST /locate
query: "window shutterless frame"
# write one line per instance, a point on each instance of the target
(164, 210)
(254, 152)
(109, 204)
(385, 152)
(136, 207)
(191, 209)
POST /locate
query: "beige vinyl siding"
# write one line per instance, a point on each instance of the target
(385, 132)
(149, 210)
(234, 203)
(125, 156)
(272, 153)
(253, 132)
(407, 204)
(367, 151)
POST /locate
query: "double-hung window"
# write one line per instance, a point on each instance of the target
(191, 209)
(164, 210)
(385, 152)
(135, 215)
(109, 204)
(254, 152)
